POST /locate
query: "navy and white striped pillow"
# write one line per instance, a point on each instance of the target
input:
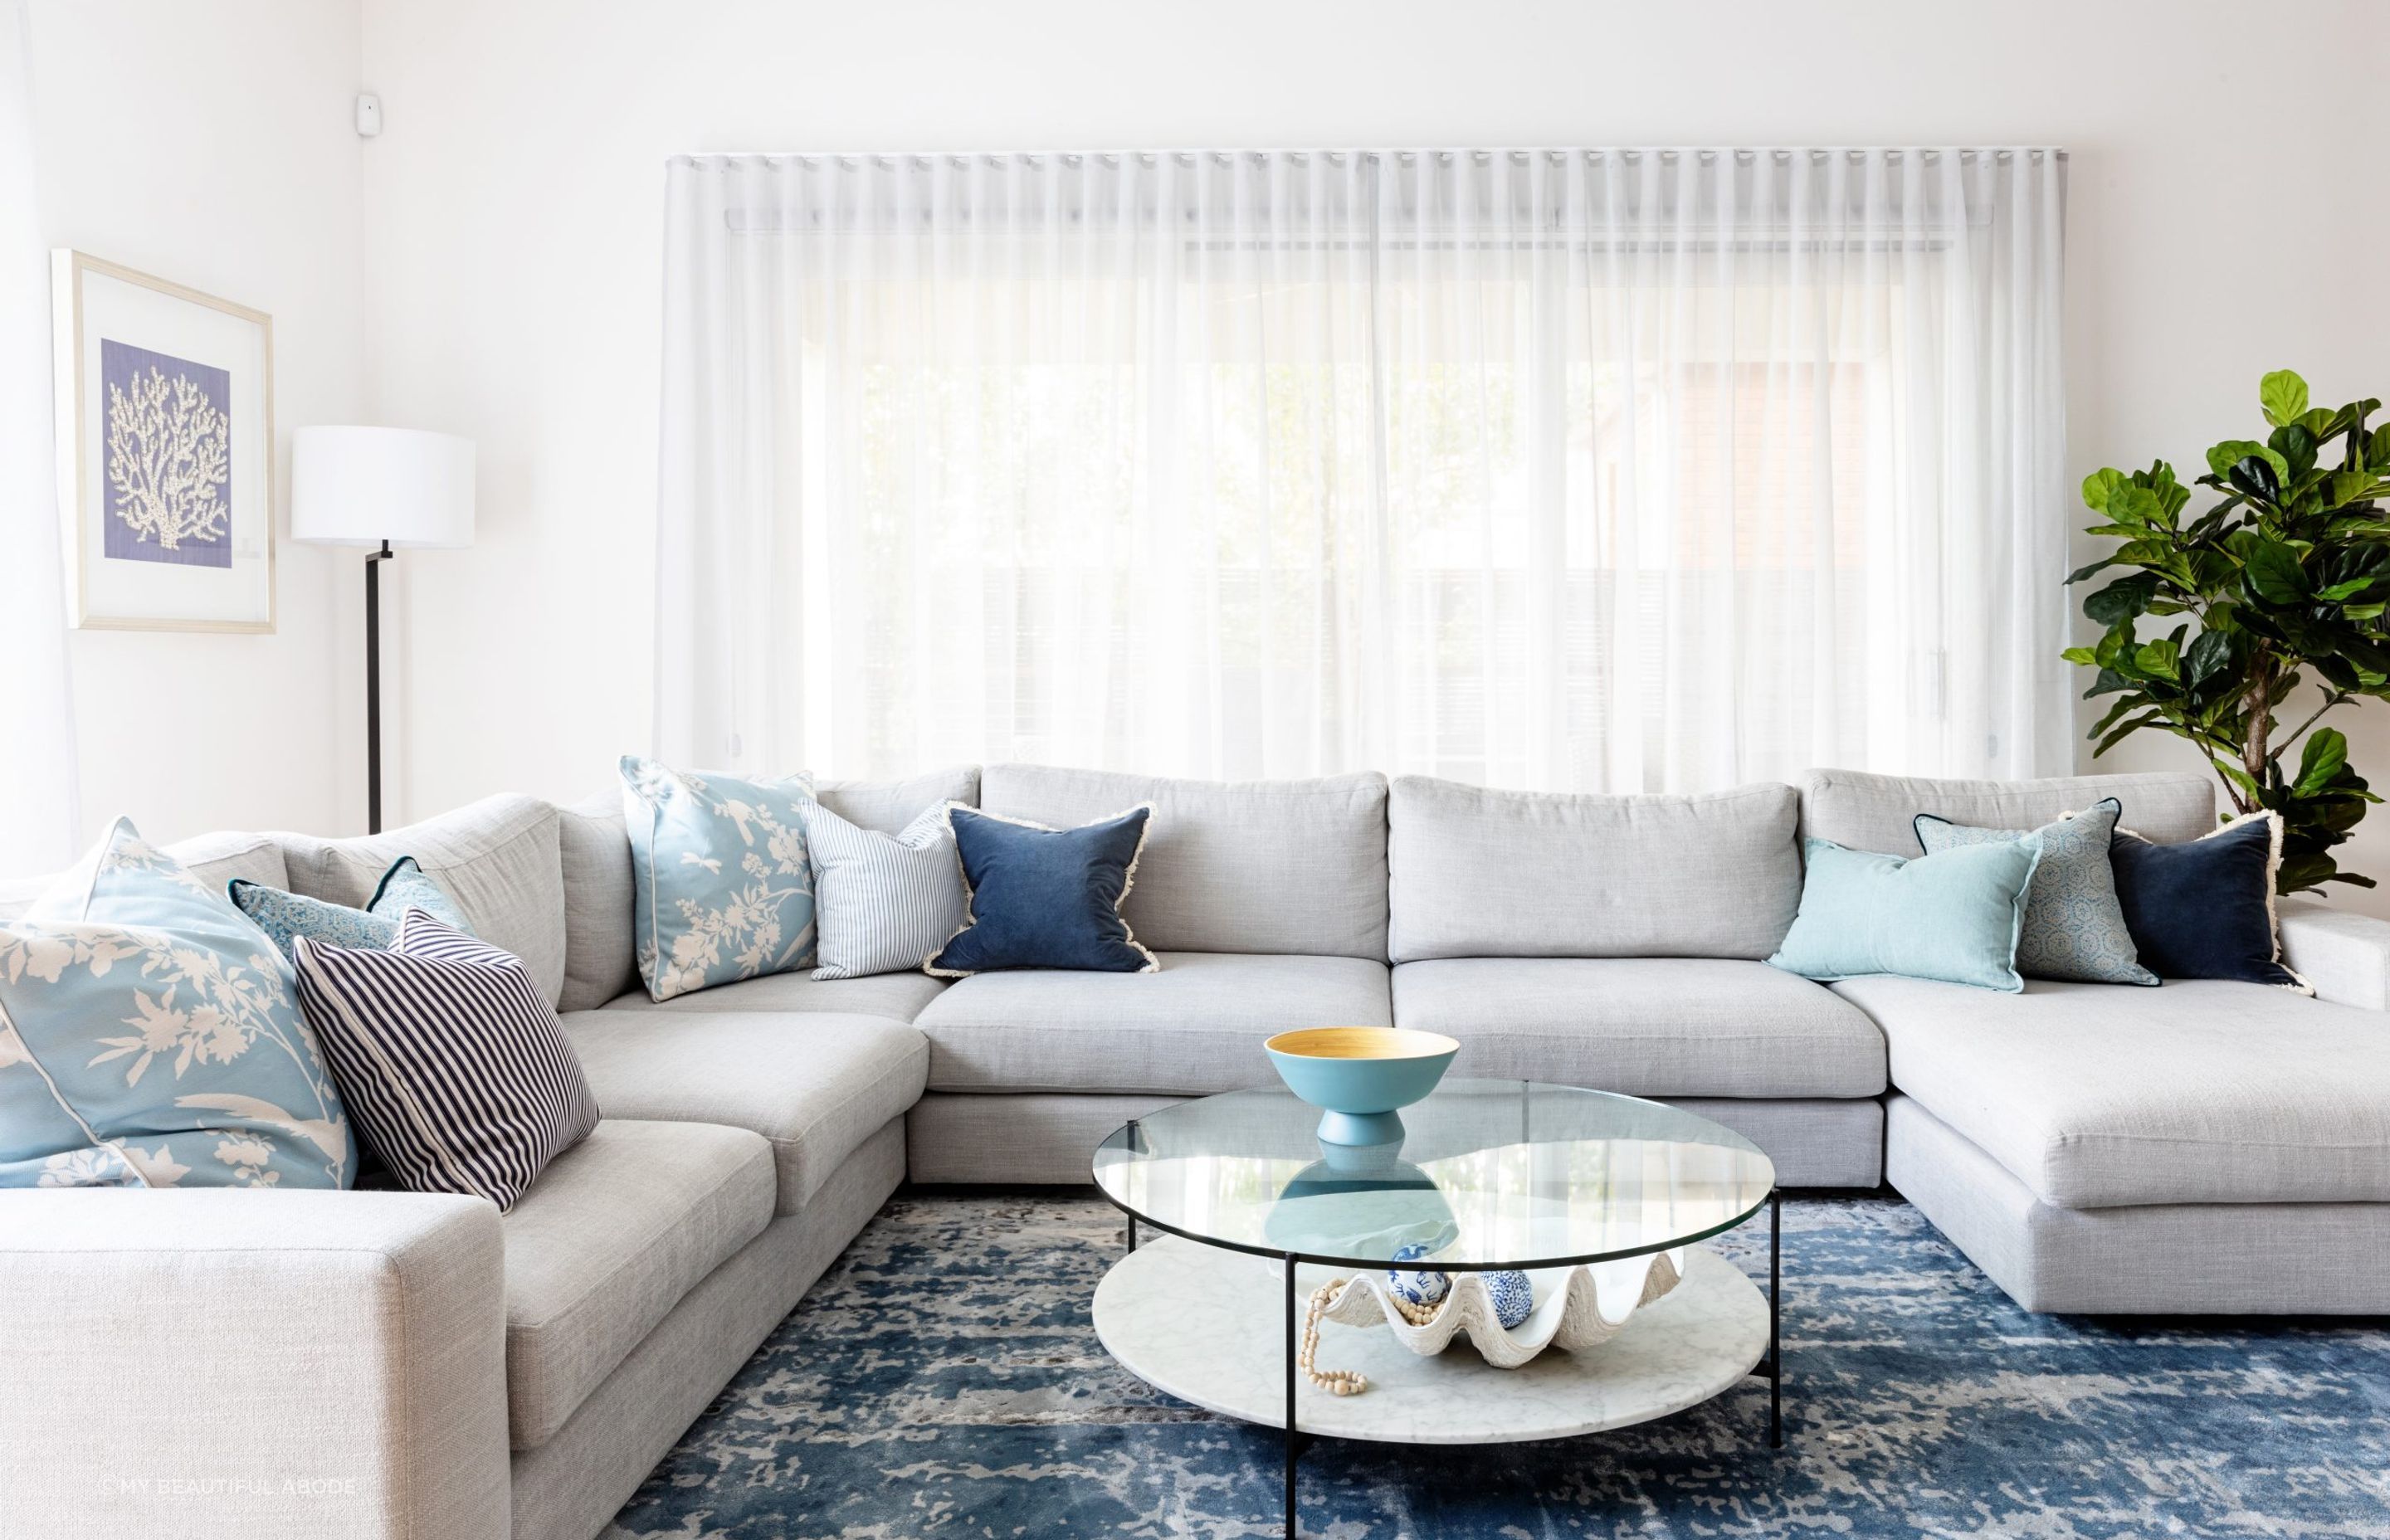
(881, 904)
(449, 1058)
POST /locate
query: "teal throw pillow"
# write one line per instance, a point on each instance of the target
(151, 1037)
(1953, 915)
(721, 887)
(2074, 926)
(286, 916)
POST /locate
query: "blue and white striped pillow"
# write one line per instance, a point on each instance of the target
(881, 903)
(449, 1058)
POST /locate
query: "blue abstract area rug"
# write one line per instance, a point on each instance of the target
(942, 1379)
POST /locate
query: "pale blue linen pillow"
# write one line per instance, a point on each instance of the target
(722, 886)
(284, 916)
(1954, 916)
(2074, 924)
(151, 1036)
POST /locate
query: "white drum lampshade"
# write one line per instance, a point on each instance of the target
(362, 486)
(379, 487)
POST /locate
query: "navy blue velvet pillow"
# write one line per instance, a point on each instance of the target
(1045, 897)
(2205, 909)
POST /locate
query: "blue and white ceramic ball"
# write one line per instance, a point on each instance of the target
(1417, 1286)
(1513, 1297)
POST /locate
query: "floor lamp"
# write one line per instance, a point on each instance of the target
(379, 487)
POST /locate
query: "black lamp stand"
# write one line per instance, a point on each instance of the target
(373, 687)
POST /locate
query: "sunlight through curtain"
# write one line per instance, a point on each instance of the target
(1576, 470)
(40, 827)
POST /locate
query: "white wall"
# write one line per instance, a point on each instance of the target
(211, 144)
(514, 209)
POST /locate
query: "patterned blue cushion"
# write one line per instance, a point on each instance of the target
(286, 916)
(1043, 897)
(722, 890)
(149, 1037)
(2074, 927)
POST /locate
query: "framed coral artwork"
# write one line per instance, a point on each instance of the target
(165, 428)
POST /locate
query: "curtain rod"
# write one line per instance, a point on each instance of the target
(1226, 157)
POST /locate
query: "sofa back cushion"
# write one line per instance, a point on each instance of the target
(1267, 866)
(214, 859)
(600, 953)
(498, 858)
(886, 807)
(1479, 873)
(1878, 813)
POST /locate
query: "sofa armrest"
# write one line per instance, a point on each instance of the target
(261, 1364)
(2345, 955)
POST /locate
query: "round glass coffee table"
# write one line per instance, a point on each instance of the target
(1490, 1175)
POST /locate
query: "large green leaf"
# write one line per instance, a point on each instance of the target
(2222, 458)
(2209, 652)
(2323, 756)
(2256, 476)
(2298, 448)
(2122, 600)
(2348, 486)
(2129, 503)
(2161, 659)
(2283, 395)
(2273, 573)
(2298, 873)
(2098, 486)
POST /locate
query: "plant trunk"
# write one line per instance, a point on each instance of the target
(2261, 727)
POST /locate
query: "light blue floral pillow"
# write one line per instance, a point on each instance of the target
(286, 916)
(723, 890)
(150, 1038)
(2074, 926)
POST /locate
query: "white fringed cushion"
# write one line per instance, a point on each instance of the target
(449, 1056)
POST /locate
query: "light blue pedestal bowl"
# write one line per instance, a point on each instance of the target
(1358, 1077)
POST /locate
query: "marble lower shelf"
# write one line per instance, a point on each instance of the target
(1208, 1326)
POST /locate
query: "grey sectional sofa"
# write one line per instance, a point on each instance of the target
(382, 1364)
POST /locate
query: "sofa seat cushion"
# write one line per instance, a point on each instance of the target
(607, 1241)
(816, 1085)
(898, 997)
(1645, 1026)
(1192, 1028)
(2099, 1096)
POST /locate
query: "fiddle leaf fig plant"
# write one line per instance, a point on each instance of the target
(2284, 575)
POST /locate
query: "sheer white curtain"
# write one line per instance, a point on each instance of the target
(39, 823)
(1592, 470)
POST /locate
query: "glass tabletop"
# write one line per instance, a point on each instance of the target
(1489, 1173)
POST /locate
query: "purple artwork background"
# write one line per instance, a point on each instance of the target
(119, 364)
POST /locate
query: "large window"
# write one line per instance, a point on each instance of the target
(1586, 471)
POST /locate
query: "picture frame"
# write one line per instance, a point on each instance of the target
(165, 452)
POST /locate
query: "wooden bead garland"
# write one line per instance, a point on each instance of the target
(1346, 1381)
(1341, 1382)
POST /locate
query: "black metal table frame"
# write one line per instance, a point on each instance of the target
(1770, 1368)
